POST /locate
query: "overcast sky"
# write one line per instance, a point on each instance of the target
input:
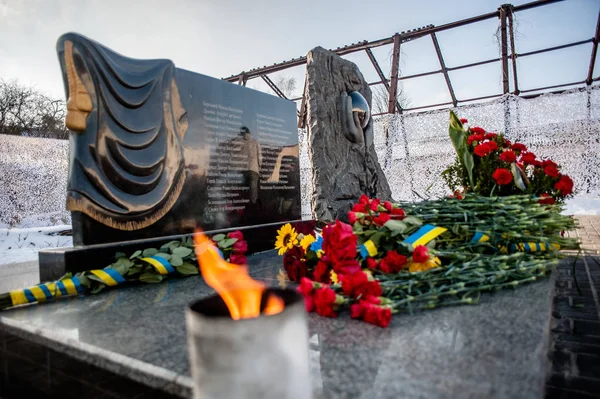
(223, 37)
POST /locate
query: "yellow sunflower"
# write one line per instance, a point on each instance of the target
(430, 263)
(287, 237)
(306, 241)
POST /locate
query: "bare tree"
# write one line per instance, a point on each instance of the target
(287, 85)
(25, 111)
(380, 101)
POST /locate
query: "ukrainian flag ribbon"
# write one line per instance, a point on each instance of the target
(318, 244)
(533, 247)
(109, 276)
(480, 237)
(161, 265)
(43, 292)
(425, 234)
(367, 249)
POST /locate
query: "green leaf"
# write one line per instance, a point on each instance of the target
(97, 289)
(120, 255)
(96, 279)
(121, 266)
(84, 281)
(171, 245)
(458, 136)
(227, 243)
(135, 270)
(151, 278)
(412, 220)
(187, 269)
(396, 225)
(218, 237)
(163, 255)
(182, 252)
(176, 260)
(149, 252)
(135, 254)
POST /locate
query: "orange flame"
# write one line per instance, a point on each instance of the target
(240, 292)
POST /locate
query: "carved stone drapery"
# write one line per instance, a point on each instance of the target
(126, 163)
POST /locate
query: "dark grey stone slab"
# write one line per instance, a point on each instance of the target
(496, 349)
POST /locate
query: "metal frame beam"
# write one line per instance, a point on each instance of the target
(273, 86)
(379, 71)
(513, 57)
(596, 39)
(392, 100)
(444, 69)
(504, 48)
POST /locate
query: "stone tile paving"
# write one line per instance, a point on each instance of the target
(575, 347)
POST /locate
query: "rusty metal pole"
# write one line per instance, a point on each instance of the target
(394, 75)
(504, 51)
(596, 39)
(504, 47)
(513, 52)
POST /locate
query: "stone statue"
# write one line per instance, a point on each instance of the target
(128, 123)
(340, 136)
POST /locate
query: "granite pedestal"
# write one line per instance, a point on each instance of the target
(497, 349)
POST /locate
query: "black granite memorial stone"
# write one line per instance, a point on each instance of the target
(157, 150)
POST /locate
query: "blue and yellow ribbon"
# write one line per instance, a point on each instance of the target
(43, 292)
(161, 265)
(424, 235)
(367, 249)
(318, 244)
(109, 276)
(480, 237)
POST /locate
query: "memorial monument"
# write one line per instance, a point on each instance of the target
(340, 136)
(156, 150)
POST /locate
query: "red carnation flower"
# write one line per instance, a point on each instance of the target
(508, 156)
(475, 137)
(420, 254)
(362, 208)
(394, 261)
(384, 266)
(240, 247)
(375, 204)
(477, 130)
(352, 217)
(564, 185)
(502, 176)
(381, 219)
(491, 136)
(324, 302)
(339, 241)
(519, 147)
(378, 316)
(528, 158)
(372, 263)
(236, 234)
(546, 200)
(346, 266)
(506, 143)
(464, 120)
(358, 285)
(364, 200)
(322, 272)
(238, 259)
(293, 264)
(387, 205)
(306, 286)
(551, 170)
(358, 310)
(485, 148)
(548, 162)
(398, 213)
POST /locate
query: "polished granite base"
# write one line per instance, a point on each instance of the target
(496, 349)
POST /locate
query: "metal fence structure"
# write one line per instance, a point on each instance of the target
(508, 60)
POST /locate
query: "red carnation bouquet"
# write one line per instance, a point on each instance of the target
(489, 164)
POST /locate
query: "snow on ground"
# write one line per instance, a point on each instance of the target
(23, 244)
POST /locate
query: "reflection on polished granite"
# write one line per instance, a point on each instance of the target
(496, 349)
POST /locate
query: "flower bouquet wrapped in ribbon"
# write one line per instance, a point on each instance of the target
(404, 257)
(152, 265)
